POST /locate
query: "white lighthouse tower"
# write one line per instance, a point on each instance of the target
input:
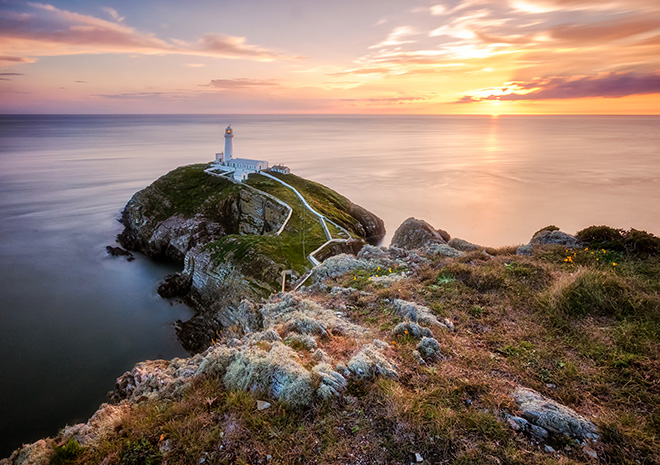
(229, 144)
(239, 168)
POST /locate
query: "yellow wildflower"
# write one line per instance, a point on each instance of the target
(613, 263)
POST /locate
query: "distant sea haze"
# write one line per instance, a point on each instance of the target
(72, 319)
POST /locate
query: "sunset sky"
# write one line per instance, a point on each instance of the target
(339, 56)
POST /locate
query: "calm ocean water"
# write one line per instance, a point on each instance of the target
(72, 319)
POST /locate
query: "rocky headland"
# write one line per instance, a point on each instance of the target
(432, 350)
(227, 237)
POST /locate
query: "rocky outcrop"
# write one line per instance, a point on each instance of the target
(416, 234)
(546, 237)
(370, 227)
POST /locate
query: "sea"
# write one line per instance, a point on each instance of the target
(73, 319)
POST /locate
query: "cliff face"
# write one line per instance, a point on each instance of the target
(187, 207)
(224, 234)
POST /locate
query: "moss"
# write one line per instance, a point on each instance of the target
(67, 453)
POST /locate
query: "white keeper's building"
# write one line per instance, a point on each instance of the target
(241, 167)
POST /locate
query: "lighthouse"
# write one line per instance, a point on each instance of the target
(229, 144)
(239, 168)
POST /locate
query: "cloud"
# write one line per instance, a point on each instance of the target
(13, 60)
(113, 13)
(141, 95)
(550, 6)
(11, 74)
(609, 85)
(396, 37)
(45, 30)
(240, 83)
(362, 71)
(385, 100)
(605, 31)
(235, 47)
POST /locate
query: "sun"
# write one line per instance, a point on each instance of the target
(495, 112)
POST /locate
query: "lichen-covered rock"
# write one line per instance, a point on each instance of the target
(276, 373)
(463, 245)
(371, 362)
(525, 249)
(371, 252)
(443, 250)
(338, 265)
(546, 236)
(408, 328)
(429, 348)
(331, 384)
(37, 453)
(415, 312)
(415, 234)
(305, 316)
(101, 425)
(156, 378)
(553, 416)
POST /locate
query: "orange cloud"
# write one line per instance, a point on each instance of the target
(611, 85)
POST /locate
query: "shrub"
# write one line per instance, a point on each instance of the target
(602, 237)
(634, 241)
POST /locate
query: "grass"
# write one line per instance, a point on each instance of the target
(584, 333)
(302, 234)
(324, 200)
(188, 191)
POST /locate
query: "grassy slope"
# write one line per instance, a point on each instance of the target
(322, 199)
(188, 190)
(583, 331)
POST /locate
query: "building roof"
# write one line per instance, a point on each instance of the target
(245, 160)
